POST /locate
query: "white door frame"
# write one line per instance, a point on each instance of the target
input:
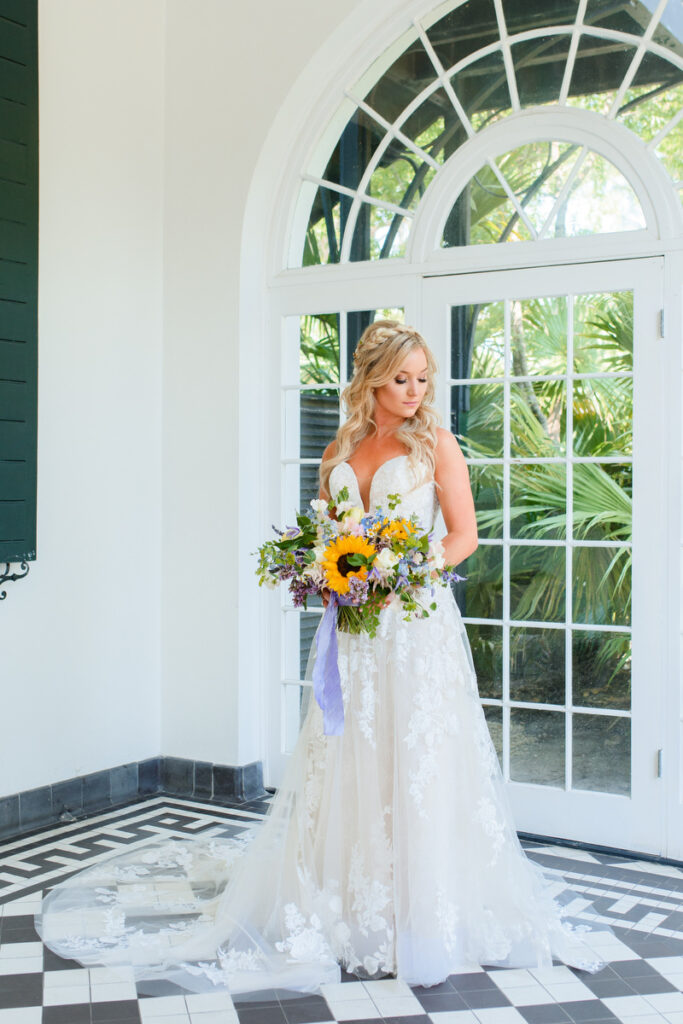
(638, 822)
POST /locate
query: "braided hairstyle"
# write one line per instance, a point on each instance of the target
(378, 357)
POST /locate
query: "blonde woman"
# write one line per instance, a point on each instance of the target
(389, 849)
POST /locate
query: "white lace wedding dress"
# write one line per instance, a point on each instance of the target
(388, 849)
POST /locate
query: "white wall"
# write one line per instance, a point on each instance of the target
(80, 636)
(228, 68)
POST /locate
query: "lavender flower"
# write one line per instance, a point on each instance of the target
(300, 589)
(358, 589)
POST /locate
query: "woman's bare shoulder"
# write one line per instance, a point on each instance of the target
(330, 451)
(447, 447)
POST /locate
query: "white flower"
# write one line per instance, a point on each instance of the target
(386, 560)
(435, 555)
(344, 506)
(319, 506)
(319, 552)
(418, 558)
(270, 581)
(354, 514)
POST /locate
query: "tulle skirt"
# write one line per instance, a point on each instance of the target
(389, 849)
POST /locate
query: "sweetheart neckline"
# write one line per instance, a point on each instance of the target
(386, 462)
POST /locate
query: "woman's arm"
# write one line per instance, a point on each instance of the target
(327, 454)
(455, 498)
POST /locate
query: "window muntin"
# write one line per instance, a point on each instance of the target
(458, 75)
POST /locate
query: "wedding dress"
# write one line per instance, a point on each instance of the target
(387, 849)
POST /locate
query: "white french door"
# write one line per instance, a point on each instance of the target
(553, 380)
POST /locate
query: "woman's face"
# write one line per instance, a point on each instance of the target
(401, 396)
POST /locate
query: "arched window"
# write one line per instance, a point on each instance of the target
(469, 66)
(486, 179)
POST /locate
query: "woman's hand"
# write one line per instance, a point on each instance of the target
(325, 596)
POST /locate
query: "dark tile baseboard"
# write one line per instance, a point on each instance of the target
(91, 794)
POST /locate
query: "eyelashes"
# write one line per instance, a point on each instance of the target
(421, 380)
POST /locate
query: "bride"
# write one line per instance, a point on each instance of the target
(388, 849)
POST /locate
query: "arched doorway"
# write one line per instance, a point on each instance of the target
(513, 145)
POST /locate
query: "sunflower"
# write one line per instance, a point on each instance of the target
(396, 529)
(335, 564)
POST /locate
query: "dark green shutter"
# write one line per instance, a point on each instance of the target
(18, 277)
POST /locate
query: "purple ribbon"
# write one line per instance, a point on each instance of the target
(326, 680)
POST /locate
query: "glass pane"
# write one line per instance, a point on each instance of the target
(537, 13)
(538, 335)
(483, 214)
(478, 340)
(464, 30)
(603, 416)
(537, 419)
(538, 501)
(477, 418)
(669, 31)
(309, 622)
(486, 643)
(601, 588)
(434, 126)
(601, 668)
(357, 143)
(648, 105)
(379, 234)
(357, 321)
(481, 595)
(603, 497)
(621, 17)
(600, 64)
(494, 720)
(603, 333)
(324, 235)
(537, 745)
(401, 179)
(309, 484)
(537, 665)
(316, 424)
(402, 82)
(537, 173)
(482, 89)
(599, 200)
(601, 753)
(539, 63)
(537, 583)
(670, 152)
(487, 491)
(319, 348)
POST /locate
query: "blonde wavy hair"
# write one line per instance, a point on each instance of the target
(382, 348)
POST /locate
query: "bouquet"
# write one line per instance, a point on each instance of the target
(363, 562)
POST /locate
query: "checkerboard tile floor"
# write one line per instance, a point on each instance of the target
(642, 901)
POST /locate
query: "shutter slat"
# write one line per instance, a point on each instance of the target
(16, 279)
(16, 320)
(14, 400)
(14, 42)
(18, 11)
(14, 82)
(13, 120)
(14, 437)
(13, 478)
(12, 520)
(15, 361)
(12, 161)
(15, 201)
(16, 241)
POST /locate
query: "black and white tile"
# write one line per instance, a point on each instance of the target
(642, 901)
